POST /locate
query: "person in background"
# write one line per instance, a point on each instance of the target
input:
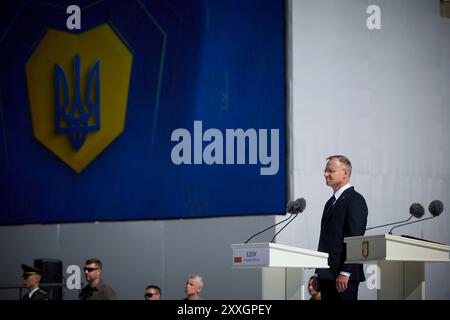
(95, 289)
(31, 279)
(313, 289)
(194, 285)
(152, 292)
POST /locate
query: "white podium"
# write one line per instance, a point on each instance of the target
(400, 260)
(282, 267)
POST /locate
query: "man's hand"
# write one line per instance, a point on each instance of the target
(341, 283)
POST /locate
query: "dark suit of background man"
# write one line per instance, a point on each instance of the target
(344, 215)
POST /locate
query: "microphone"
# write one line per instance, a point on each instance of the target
(436, 207)
(296, 206)
(416, 210)
(299, 206)
(293, 207)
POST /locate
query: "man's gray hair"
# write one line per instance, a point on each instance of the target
(198, 278)
(344, 161)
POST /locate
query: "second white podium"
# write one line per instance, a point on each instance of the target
(282, 267)
(401, 262)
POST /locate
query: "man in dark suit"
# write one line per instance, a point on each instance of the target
(344, 215)
(31, 279)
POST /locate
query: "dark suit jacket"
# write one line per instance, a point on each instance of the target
(346, 218)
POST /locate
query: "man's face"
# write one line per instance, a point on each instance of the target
(30, 281)
(336, 175)
(92, 272)
(311, 289)
(192, 287)
(152, 294)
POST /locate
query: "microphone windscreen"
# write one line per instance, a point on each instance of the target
(290, 207)
(300, 205)
(436, 207)
(417, 210)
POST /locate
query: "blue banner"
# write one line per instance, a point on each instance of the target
(129, 110)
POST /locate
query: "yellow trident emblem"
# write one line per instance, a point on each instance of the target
(74, 81)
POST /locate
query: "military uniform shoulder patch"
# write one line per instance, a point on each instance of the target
(40, 295)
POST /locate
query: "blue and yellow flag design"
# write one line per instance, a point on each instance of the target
(78, 90)
(87, 115)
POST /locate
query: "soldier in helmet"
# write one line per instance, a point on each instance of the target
(31, 279)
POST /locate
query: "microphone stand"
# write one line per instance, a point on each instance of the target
(296, 215)
(389, 224)
(268, 228)
(403, 224)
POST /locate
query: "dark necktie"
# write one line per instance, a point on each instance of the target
(332, 200)
(328, 206)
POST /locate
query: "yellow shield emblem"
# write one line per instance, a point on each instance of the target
(365, 249)
(78, 91)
